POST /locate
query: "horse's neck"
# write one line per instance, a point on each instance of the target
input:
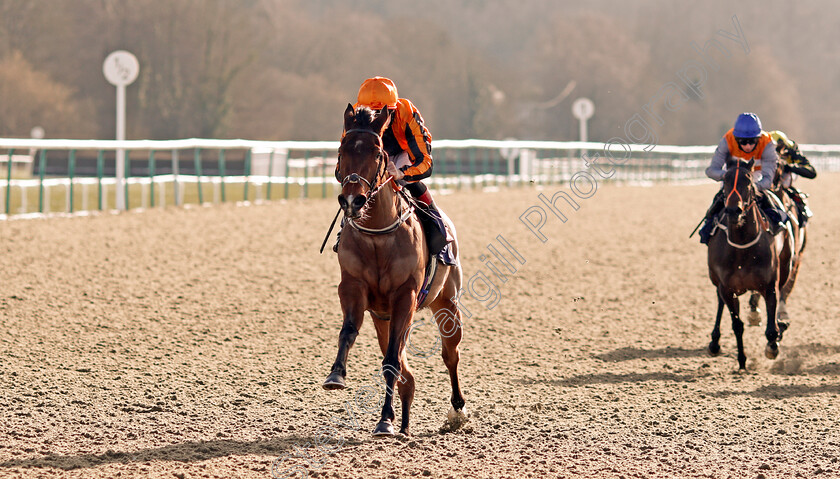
(384, 209)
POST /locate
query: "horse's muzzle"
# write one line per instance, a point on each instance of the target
(352, 205)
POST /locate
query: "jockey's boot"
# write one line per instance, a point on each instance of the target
(803, 212)
(775, 217)
(706, 231)
(436, 234)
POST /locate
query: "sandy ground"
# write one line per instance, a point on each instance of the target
(192, 343)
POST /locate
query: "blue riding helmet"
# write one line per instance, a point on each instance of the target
(747, 126)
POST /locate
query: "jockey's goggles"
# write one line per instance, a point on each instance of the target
(746, 141)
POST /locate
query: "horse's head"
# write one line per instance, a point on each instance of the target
(361, 159)
(738, 187)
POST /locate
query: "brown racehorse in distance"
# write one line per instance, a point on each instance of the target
(383, 258)
(799, 235)
(744, 256)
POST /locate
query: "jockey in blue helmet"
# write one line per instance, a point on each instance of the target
(745, 141)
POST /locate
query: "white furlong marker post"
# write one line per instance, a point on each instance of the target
(583, 109)
(121, 69)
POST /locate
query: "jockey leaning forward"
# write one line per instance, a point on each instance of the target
(793, 163)
(745, 141)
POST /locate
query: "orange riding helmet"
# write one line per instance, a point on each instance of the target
(378, 92)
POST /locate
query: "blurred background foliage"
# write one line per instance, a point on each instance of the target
(285, 69)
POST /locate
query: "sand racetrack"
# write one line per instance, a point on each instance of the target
(192, 343)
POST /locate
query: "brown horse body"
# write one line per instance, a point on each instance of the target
(383, 257)
(743, 256)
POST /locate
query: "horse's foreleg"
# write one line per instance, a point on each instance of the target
(402, 313)
(405, 380)
(737, 325)
(772, 330)
(714, 345)
(352, 304)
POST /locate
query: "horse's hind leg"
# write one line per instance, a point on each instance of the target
(714, 345)
(406, 389)
(732, 303)
(448, 319)
(754, 316)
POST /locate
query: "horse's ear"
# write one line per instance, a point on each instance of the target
(382, 120)
(349, 117)
(731, 162)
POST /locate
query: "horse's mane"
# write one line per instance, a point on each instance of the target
(363, 117)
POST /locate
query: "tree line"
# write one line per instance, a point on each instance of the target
(285, 69)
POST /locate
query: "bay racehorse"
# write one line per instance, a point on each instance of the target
(799, 234)
(383, 258)
(744, 256)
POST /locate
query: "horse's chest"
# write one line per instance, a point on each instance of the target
(748, 273)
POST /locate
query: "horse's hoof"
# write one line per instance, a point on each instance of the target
(753, 318)
(771, 351)
(334, 381)
(458, 416)
(455, 419)
(782, 328)
(713, 349)
(383, 429)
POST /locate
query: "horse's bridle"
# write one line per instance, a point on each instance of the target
(752, 204)
(752, 201)
(357, 178)
(373, 188)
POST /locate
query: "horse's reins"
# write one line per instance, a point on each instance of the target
(751, 205)
(372, 191)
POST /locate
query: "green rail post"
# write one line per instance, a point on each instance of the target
(323, 173)
(459, 166)
(42, 163)
(270, 174)
(126, 159)
(441, 161)
(247, 173)
(9, 180)
(286, 178)
(197, 161)
(100, 159)
(222, 172)
(306, 174)
(71, 170)
(472, 168)
(485, 164)
(152, 178)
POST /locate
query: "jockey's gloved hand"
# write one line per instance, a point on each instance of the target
(392, 169)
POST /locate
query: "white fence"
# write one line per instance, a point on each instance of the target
(77, 176)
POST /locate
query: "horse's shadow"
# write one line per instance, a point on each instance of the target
(612, 378)
(629, 353)
(786, 391)
(186, 452)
